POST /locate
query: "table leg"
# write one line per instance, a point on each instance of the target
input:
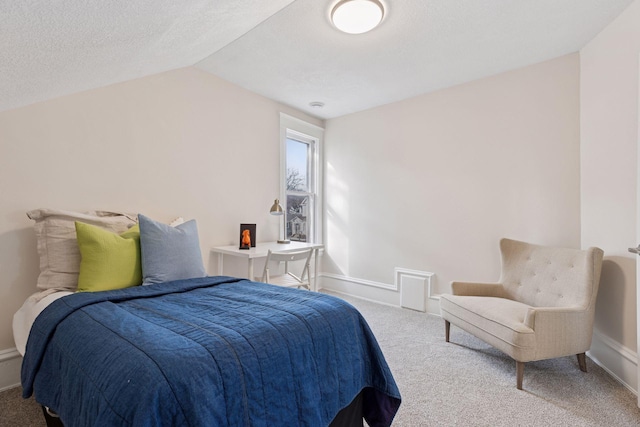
(220, 266)
(315, 270)
(251, 270)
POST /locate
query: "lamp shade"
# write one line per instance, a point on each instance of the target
(276, 209)
(357, 16)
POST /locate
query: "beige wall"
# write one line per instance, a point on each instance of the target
(432, 183)
(609, 162)
(179, 143)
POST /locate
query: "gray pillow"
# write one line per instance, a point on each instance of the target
(169, 253)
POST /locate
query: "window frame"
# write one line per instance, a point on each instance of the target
(300, 130)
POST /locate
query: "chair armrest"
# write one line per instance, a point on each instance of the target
(477, 289)
(560, 331)
(554, 318)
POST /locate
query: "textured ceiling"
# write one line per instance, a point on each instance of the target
(286, 50)
(50, 48)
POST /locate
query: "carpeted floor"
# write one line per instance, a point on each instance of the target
(16, 411)
(464, 382)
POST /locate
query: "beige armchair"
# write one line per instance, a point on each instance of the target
(542, 307)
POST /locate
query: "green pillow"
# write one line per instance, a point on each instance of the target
(109, 261)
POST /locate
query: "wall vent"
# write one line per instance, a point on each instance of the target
(415, 288)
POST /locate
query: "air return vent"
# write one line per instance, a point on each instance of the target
(415, 288)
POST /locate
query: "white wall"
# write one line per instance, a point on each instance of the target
(609, 164)
(432, 183)
(181, 143)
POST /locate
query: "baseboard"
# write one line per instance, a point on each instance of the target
(10, 365)
(619, 361)
(366, 289)
(384, 293)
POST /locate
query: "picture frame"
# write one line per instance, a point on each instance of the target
(247, 236)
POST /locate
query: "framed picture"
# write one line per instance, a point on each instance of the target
(247, 236)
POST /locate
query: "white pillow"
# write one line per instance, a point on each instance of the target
(58, 246)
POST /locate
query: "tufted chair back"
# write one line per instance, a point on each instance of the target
(542, 276)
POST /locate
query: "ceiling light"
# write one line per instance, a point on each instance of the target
(357, 16)
(316, 104)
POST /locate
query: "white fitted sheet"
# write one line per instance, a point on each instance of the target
(26, 315)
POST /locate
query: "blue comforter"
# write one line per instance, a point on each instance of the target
(214, 351)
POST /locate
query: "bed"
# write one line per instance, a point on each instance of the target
(185, 348)
(204, 352)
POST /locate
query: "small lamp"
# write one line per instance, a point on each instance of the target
(276, 209)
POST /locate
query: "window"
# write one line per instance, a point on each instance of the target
(301, 179)
(300, 197)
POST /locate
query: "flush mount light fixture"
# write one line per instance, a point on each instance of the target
(316, 104)
(357, 16)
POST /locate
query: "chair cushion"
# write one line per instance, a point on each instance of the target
(497, 321)
(543, 276)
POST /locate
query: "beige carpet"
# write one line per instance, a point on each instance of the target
(16, 411)
(468, 383)
(464, 382)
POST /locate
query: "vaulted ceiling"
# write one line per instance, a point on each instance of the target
(286, 50)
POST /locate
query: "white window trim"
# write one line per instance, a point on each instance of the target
(291, 123)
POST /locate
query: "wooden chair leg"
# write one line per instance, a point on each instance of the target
(582, 362)
(447, 328)
(519, 374)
